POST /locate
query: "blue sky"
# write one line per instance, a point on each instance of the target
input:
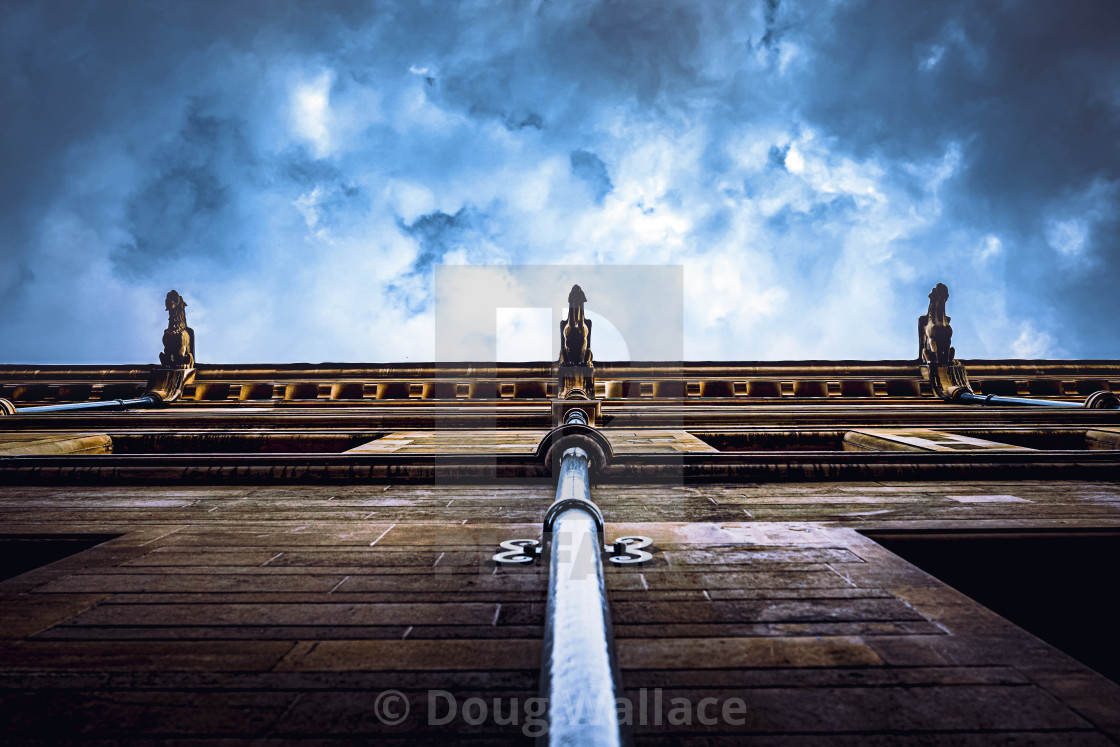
(296, 170)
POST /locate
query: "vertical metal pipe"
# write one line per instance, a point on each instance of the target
(579, 671)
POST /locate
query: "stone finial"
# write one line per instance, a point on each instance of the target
(935, 336)
(178, 338)
(938, 360)
(576, 372)
(575, 332)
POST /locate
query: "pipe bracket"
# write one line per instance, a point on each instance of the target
(519, 552)
(623, 551)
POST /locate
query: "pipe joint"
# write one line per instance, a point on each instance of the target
(568, 504)
(1102, 400)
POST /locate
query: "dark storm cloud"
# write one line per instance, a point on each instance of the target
(777, 155)
(189, 200)
(591, 169)
(438, 234)
(301, 167)
(125, 150)
(1031, 91)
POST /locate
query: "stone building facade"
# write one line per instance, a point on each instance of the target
(839, 552)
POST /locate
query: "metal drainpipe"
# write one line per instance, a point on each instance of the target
(148, 400)
(995, 400)
(579, 670)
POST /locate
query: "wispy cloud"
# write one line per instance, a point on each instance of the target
(297, 170)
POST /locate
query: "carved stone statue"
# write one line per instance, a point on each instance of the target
(575, 332)
(178, 338)
(935, 336)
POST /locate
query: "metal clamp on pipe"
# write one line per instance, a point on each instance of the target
(575, 434)
(573, 489)
(1103, 400)
(576, 416)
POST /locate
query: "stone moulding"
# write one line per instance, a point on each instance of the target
(168, 383)
(948, 381)
(692, 468)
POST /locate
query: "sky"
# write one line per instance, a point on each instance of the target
(297, 171)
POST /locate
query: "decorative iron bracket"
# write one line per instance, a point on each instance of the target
(623, 551)
(629, 550)
(519, 552)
